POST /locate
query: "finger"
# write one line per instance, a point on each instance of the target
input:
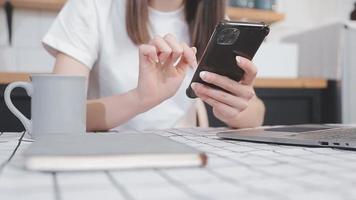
(195, 50)
(223, 97)
(230, 85)
(163, 49)
(177, 49)
(148, 53)
(182, 67)
(189, 55)
(221, 110)
(249, 68)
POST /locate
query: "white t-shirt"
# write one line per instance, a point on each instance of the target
(94, 33)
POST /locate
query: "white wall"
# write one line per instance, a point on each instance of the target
(26, 53)
(301, 16)
(306, 14)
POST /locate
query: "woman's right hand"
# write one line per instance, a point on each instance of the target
(163, 64)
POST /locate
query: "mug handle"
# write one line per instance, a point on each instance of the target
(7, 96)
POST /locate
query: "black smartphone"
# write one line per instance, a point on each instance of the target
(229, 39)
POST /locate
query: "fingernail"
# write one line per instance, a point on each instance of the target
(203, 75)
(194, 85)
(160, 60)
(238, 59)
(195, 64)
(152, 61)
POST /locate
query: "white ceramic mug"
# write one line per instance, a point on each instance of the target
(58, 104)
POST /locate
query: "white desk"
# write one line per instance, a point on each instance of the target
(235, 170)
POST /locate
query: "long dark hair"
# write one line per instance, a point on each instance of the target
(201, 16)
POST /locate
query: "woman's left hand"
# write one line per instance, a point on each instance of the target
(228, 106)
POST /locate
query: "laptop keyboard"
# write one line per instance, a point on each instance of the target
(235, 170)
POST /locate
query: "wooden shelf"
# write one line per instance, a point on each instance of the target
(254, 15)
(308, 83)
(298, 83)
(244, 14)
(54, 5)
(8, 77)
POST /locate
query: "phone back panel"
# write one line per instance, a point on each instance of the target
(229, 39)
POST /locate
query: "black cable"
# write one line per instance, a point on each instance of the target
(57, 191)
(9, 9)
(118, 186)
(2, 165)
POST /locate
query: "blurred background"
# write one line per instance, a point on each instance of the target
(306, 68)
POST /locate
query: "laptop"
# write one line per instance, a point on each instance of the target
(336, 136)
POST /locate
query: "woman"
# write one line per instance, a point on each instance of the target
(136, 54)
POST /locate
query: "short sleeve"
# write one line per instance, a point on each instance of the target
(75, 32)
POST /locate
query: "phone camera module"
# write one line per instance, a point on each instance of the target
(228, 36)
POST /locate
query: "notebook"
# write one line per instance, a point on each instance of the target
(108, 151)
